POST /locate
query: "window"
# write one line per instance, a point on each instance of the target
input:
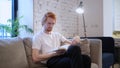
(5, 14)
(116, 32)
(117, 15)
(8, 10)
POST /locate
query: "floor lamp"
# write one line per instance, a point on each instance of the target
(80, 10)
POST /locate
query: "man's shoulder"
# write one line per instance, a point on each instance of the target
(39, 34)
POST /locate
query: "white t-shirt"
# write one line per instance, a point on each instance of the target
(47, 42)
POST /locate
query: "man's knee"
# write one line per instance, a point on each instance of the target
(74, 48)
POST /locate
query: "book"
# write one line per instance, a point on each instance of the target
(61, 48)
(64, 47)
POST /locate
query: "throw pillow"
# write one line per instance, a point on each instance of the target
(85, 46)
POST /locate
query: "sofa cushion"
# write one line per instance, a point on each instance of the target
(12, 53)
(85, 46)
(28, 47)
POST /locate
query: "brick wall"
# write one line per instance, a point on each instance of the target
(69, 23)
(67, 19)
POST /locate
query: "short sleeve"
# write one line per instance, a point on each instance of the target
(36, 42)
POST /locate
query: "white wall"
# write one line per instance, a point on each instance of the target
(117, 15)
(108, 17)
(99, 16)
(93, 17)
(25, 9)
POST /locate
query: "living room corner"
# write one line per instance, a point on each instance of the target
(101, 21)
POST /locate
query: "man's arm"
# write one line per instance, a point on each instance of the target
(67, 41)
(40, 57)
(36, 56)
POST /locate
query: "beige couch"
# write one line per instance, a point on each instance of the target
(16, 53)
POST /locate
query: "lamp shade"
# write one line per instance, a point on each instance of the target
(80, 10)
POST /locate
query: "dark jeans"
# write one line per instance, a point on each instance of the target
(71, 59)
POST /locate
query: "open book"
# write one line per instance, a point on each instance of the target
(63, 47)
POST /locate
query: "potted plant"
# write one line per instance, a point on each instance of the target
(116, 34)
(14, 28)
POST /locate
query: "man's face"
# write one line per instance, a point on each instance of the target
(49, 24)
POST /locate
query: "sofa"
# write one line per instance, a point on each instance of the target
(16, 53)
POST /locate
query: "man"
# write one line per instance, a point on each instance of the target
(46, 41)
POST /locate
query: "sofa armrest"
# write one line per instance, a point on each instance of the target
(96, 51)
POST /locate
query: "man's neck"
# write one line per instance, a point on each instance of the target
(48, 32)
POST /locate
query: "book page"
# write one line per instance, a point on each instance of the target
(64, 47)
